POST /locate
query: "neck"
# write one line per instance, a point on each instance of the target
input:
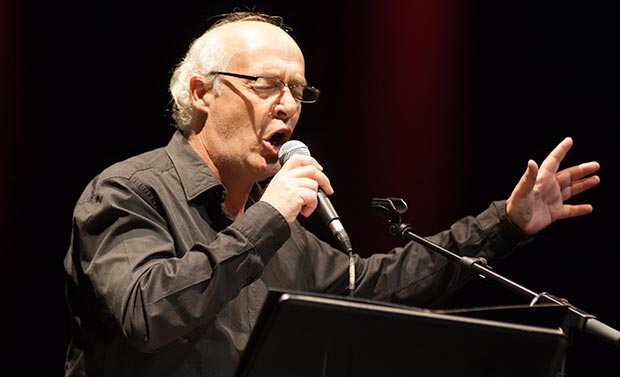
(237, 185)
(238, 190)
(235, 202)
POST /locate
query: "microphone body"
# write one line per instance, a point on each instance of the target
(324, 208)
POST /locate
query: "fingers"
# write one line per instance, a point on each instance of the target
(579, 171)
(530, 175)
(575, 210)
(293, 190)
(307, 166)
(577, 179)
(573, 181)
(582, 185)
(527, 181)
(517, 204)
(306, 190)
(579, 186)
(297, 160)
(553, 160)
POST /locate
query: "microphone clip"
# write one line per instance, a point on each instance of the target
(391, 208)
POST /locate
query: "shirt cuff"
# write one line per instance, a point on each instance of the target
(264, 227)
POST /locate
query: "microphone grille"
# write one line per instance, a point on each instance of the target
(290, 148)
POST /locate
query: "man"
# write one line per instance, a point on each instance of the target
(173, 251)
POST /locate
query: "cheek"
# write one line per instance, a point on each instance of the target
(295, 118)
(230, 121)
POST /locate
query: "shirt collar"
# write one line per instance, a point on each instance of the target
(196, 176)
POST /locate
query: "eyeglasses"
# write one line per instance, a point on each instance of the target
(272, 85)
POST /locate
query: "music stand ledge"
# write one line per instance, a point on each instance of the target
(308, 335)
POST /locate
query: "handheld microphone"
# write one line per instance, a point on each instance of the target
(325, 208)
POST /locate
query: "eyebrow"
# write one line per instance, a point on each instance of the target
(294, 81)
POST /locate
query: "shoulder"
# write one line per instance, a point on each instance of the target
(154, 161)
(139, 173)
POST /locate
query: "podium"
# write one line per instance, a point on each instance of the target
(306, 335)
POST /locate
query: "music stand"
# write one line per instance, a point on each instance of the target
(307, 335)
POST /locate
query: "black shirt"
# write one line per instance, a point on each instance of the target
(162, 281)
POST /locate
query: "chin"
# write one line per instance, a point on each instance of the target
(266, 171)
(271, 170)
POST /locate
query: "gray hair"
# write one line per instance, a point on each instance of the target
(207, 53)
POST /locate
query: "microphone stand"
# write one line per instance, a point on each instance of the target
(392, 208)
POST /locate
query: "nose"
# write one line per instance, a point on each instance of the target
(286, 105)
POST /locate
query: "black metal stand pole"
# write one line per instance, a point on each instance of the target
(391, 208)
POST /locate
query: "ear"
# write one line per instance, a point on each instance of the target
(198, 90)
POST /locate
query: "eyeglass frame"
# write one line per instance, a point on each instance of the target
(284, 85)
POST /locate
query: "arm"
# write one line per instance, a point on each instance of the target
(153, 280)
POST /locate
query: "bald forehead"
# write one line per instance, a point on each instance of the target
(249, 34)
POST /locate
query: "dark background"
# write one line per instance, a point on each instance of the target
(440, 104)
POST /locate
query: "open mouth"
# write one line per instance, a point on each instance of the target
(278, 139)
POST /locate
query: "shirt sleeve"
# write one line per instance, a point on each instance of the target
(416, 275)
(142, 284)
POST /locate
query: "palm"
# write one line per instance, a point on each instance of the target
(539, 197)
